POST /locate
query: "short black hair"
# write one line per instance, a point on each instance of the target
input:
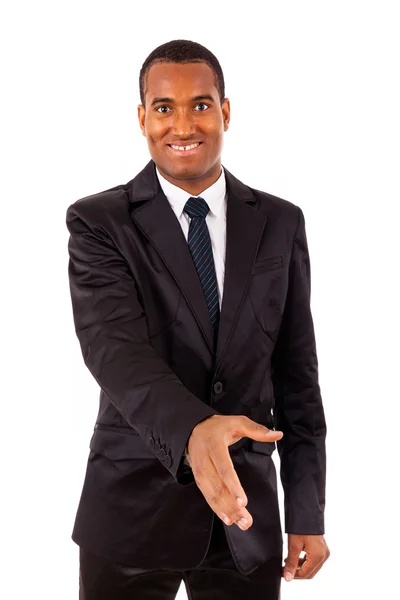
(182, 51)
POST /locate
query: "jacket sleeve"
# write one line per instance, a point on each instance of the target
(111, 327)
(298, 409)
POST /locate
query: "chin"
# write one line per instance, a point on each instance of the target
(184, 171)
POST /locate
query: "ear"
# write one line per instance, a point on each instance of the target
(226, 113)
(141, 117)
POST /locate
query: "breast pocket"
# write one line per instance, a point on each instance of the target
(268, 288)
(267, 264)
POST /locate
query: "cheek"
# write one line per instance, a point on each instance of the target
(154, 130)
(217, 141)
(216, 133)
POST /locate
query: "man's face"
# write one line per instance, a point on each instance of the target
(182, 107)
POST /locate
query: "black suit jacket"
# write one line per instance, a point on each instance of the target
(146, 337)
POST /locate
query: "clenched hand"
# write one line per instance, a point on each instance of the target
(212, 465)
(316, 553)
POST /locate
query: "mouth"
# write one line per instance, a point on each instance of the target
(189, 150)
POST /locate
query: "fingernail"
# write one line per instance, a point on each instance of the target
(226, 519)
(288, 576)
(240, 501)
(242, 522)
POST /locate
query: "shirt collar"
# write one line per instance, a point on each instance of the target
(214, 195)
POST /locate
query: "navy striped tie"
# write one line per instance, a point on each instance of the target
(200, 248)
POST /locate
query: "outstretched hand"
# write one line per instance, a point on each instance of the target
(212, 465)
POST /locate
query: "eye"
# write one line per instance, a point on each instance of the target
(167, 107)
(203, 104)
(163, 106)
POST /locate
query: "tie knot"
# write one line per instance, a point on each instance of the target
(196, 207)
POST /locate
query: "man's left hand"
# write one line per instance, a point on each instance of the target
(317, 552)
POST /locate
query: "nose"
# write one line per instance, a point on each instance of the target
(183, 124)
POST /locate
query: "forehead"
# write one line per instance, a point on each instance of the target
(173, 79)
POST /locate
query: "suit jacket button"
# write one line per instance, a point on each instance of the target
(218, 387)
(162, 453)
(151, 442)
(168, 460)
(157, 447)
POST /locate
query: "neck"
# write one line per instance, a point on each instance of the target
(196, 185)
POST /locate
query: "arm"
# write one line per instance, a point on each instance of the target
(298, 406)
(110, 324)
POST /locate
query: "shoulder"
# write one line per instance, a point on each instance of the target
(274, 206)
(100, 206)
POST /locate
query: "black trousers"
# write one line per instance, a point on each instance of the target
(216, 578)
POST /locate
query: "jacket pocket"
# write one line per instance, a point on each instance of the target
(119, 443)
(265, 448)
(267, 264)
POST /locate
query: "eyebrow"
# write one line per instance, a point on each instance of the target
(172, 101)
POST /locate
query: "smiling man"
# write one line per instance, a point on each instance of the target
(184, 123)
(191, 301)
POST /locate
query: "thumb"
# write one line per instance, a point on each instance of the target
(291, 562)
(260, 433)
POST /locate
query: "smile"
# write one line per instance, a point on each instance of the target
(185, 150)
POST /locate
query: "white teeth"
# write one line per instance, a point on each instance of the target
(183, 148)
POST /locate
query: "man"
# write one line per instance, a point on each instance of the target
(191, 302)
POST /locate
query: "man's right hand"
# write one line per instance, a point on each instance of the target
(212, 465)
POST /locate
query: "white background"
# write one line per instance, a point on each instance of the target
(315, 104)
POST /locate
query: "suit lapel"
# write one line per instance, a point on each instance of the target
(158, 222)
(244, 227)
(151, 212)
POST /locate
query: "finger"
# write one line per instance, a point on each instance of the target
(258, 432)
(309, 567)
(224, 466)
(300, 563)
(302, 560)
(313, 574)
(292, 562)
(235, 513)
(273, 435)
(308, 571)
(218, 496)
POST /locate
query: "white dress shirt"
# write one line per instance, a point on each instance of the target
(216, 198)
